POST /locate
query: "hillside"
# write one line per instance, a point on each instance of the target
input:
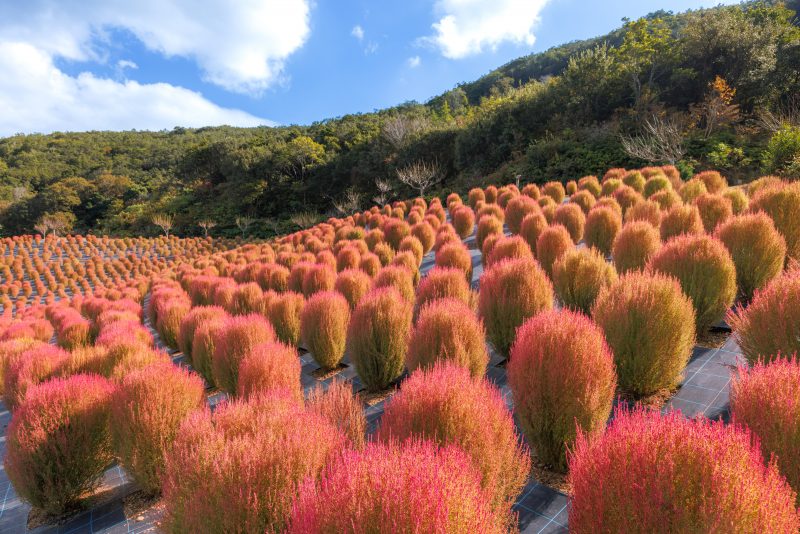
(725, 78)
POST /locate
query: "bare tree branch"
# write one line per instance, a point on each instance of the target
(304, 219)
(206, 225)
(384, 188)
(243, 223)
(398, 129)
(349, 203)
(163, 221)
(661, 142)
(420, 175)
(787, 114)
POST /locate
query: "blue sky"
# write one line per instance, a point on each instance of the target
(153, 64)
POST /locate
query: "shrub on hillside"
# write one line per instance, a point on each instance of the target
(655, 184)
(738, 198)
(397, 277)
(448, 330)
(770, 324)
(626, 197)
(475, 195)
(757, 249)
(649, 325)
(269, 366)
(561, 373)
(147, 410)
(554, 190)
(579, 275)
(487, 225)
(584, 200)
(680, 220)
(58, 443)
(510, 292)
(443, 282)
(706, 272)
(234, 340)
(507, 247)
(571, 217)
(323, 325)
(377, 337)
(634, 245)
(254, 451)
(448, 406)
(635, 180)
(532, 227)
(646, 210)
(712, 475)
(30, 367)
(692, 189)
(601, 228)
(414, 487)
(713, 180)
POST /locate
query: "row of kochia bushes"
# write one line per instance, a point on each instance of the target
(340, 287)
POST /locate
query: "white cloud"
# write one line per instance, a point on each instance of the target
(358, 32)
(126, 64)
(466, 27)
(36, 96)
(241, 46)
(414, 62)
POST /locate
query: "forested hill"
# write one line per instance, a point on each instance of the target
(724, 81)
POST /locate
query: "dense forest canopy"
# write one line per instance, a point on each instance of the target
(723, 83)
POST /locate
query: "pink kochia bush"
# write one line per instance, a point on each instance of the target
(338, 405)
(147, 409)
(510, 292)
(58, 442)
(665, 473)
(410, 487)
(239, 470)
(561, 374)
(323, 326)
(268, 366)
(234, 341)
(649, 325)
(29, 368)
(766, 399)
(377, 337)
(191, 321)
(445, 404)
(448, 330)
(770, 324)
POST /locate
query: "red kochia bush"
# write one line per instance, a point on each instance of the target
(602, 225)
(239, 470)
(323, 326)
(31, 367)
(655, 473)
(377, 337)
(443, 282)
(634, 245)
(283, 312)
(706, 272)
(448, 406)
(648, 323)
(510, 292)
(757, 249)
(191, 321)
(409, 487)
(766, 399)
(517, 209)
(338, 405)
(270, 366)
(561, 374)
(682, 219)
(770, 324)
(147, 409)
(571, 217)
(448, 330)
(553, 243)
(58, 442)
(235, 339)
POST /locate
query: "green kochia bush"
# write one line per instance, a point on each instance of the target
(649, 325)
(59, 443)
(665, 473)
(323, 324)
(579, 275)
(561, 374)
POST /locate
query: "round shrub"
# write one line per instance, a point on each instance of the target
(649, 325)
(297, 275)
(579, 275)
(508, 247)
(602, 226)
(377, 338)
(517, 209)
(714, 181)
(680, 220)
(492, 209)
(370, 264)
(584, 200)
(532, 226)
(203, 345)
(425, 234)
(443, 282)
(782, 204)
(666, 198)
(635, 180)
(706, 272)
(766, 399)
(654, 473)
(609, 202)
(448, 406)
(646, 210)
(147, 410)
(58, 442)
(463, 221)
(609, 186)
(347, 258)
(487, 225)
(571, 217)
(414, 487)
(770, 324)
(32, 366)
(692, 189)
(655, 184)
(397, 277)
(561, 373)
(510, 292)
(634, 245)
(234, 340)
(191, 321)
(339, 406)
(757, 249)
(554, 190)
(571, 187)
(590, 184)
(283, 312)
(448, 330)
(270, 366)
(553, 243)
(248, 298)
(738, 198)
(475, 195)
(394, 230)
(323, 326)
(714, 209)
(455, 255)
(319, 278)
(353, 284)
(258, 451)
